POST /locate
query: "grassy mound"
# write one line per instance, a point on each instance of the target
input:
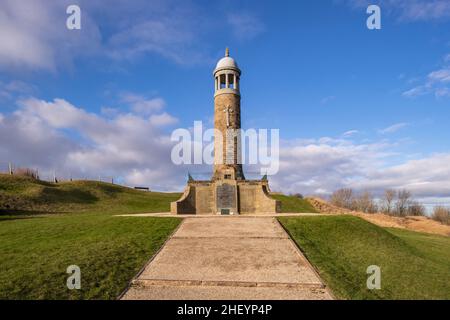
(413, 265)
(35, 253)
(291, 204)
(25, 195)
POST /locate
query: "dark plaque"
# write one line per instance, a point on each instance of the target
(226, 196)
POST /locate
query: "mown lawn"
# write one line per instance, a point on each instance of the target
(291, 204)
(35, 253)
(46, 227)
(413, 265)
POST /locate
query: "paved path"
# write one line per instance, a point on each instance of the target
(228, 258)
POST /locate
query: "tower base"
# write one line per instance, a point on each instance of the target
(226, 197)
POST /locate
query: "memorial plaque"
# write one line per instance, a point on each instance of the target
(226, 196)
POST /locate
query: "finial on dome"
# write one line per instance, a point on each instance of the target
(227, 52)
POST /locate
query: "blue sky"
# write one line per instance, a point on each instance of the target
(355, 107)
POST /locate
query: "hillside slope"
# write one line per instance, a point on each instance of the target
(292, 204)
(25, 195)
(413, 265)
(419, 224)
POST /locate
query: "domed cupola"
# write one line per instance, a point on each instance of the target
(227, 75)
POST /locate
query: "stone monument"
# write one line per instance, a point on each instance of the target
(228, 192)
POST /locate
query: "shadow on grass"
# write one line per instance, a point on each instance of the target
(75, 195)
(20, 215)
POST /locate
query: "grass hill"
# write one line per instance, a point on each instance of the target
(413, 265)
(35, 251)
(20, 194)
(24, 195)
(292, 204)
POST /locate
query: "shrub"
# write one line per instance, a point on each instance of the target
(441, 214)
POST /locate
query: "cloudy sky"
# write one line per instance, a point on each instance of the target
(355, 108)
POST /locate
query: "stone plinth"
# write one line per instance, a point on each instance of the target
(226, 197)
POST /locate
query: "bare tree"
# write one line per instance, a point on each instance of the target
(343, 198)
(365, 203)
(416, 209)
(441, 214)
(403, 202)
(388, 200)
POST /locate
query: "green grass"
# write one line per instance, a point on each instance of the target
(22, 195)
(35, 253)
(413, 265)
(291, 204)
(45, 227)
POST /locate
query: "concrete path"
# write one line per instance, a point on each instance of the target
(228, 258)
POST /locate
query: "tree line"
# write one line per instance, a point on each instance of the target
(398, 203)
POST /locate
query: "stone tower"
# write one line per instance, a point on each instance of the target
(227, 120)
(228, 192)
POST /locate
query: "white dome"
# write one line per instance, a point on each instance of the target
(227, 62)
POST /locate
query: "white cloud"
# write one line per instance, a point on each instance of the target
(409, 10)
(14, 88)
(312, 167)
(394, 128)
(442, 75)
(141, 104)
(350, 133)
(416, 91)
(34, 35)
(436, 82)
(244, 25)
(163, 119)
(426, 177)
(442, 92)
(423, 9)
(56, 135)
(323, 165)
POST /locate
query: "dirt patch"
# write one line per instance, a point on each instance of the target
(419, 224)
(323, 206)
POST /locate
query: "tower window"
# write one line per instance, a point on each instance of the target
(227, 177)
(223, 81)
(231, 81)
